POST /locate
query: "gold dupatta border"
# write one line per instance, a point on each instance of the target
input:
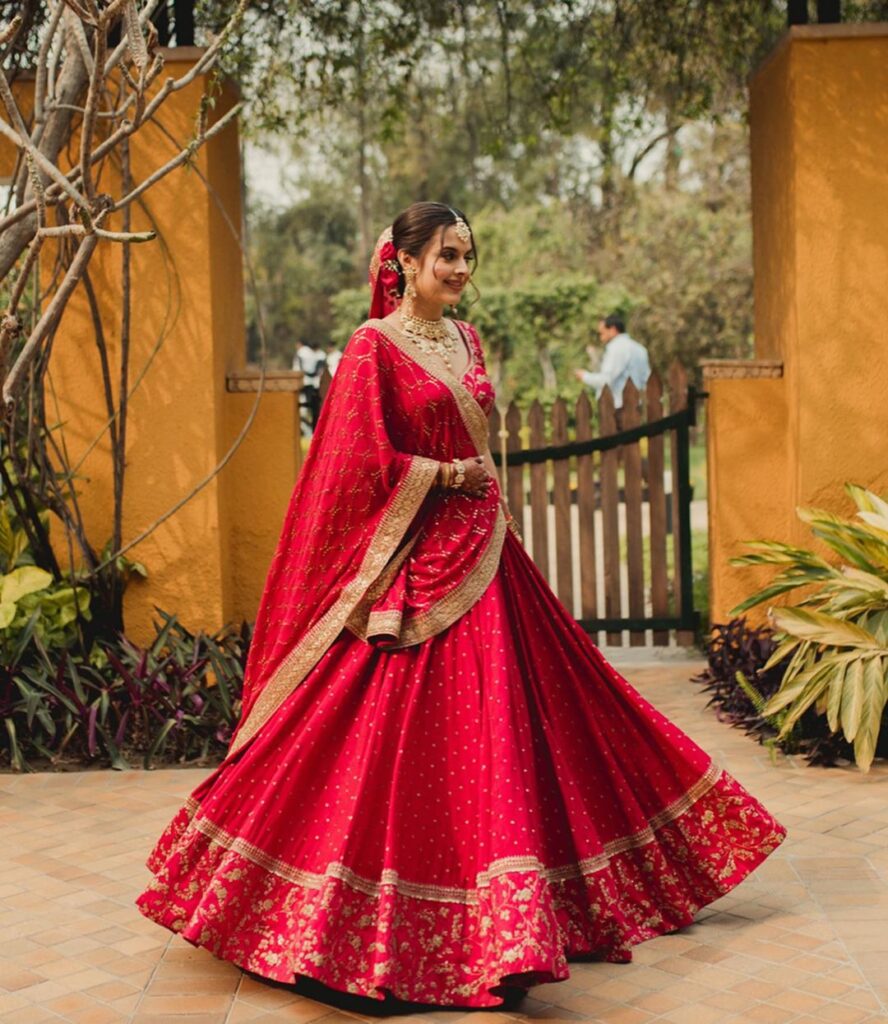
(453, 894)
(473, 416)
(444, 613)
(417, 482)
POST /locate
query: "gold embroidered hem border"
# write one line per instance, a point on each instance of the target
(453, 894)
(418, 480)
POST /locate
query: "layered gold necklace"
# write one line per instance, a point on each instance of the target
(431, 336)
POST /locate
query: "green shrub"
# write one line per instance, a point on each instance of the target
(176, 700)
(836, 638)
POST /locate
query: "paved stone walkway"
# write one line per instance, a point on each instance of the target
(804, 939)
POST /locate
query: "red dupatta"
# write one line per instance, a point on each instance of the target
(369, 543)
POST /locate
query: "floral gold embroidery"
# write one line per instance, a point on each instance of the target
(449, 945)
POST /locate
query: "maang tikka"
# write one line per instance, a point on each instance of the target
(463, 231)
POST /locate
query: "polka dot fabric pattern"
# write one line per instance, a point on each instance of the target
(448, 819)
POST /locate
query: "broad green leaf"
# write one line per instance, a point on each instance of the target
(7, 539)
(25, 580)
(158, 742)
(815, 687)
(866, 500)
(802, 660)
(65, 606)
(773, 590)
(877, 624)
(867, 580)
(778, 553)
(7, 613)
(20, 545)
(875, 692)
(877, 522)
(15, 753)
(852, 699)
(823, 629)
(849, 551)
(812, 513)
(790, 690)
(780, 652)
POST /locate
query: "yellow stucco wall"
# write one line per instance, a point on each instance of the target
(208, 561)
(749, 490)
(820, 219)
(258, 482)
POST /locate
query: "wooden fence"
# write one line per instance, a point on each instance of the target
(605, 514)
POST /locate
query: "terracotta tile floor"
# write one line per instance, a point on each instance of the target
(804, 939)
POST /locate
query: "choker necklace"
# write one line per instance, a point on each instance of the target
(430, 336)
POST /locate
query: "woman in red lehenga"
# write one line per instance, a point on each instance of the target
(439, 788)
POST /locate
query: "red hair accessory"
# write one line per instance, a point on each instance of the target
(384, 277)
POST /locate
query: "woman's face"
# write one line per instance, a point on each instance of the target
(443, 268)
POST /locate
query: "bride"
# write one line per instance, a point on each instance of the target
(439, 788)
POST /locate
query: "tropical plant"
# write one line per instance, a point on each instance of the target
(836, 637)
(738, 651)
(31, 599)
(175, 700)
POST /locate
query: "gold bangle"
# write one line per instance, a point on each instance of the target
(459, 469)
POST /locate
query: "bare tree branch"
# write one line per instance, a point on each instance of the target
(79, 34)
(20, 137)
(79, 11)
(180, 158)
(42, 64)
(643, 152)
(124, 44)
(96, 84)
(73, 59)
(15, 379)
(11, 30)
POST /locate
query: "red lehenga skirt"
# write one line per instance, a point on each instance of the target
(448, 820)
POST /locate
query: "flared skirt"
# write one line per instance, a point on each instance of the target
(448, 820)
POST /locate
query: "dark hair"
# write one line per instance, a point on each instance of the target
(615, 320)
(414, 227)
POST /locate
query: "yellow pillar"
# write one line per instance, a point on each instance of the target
(207, 561)
(819, 146)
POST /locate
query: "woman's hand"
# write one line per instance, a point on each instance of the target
(477, 481)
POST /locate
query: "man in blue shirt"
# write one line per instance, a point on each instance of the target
(623, 358)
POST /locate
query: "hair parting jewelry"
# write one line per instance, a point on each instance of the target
(463, 231)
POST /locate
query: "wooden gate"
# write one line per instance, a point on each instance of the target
(607, 518)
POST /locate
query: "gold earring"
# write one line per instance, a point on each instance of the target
(409, 290)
